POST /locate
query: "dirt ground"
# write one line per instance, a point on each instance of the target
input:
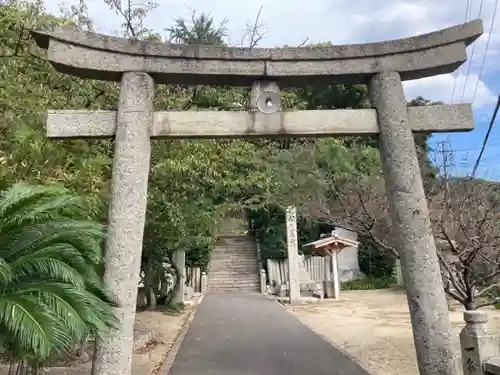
(166, 328)
(374, 326)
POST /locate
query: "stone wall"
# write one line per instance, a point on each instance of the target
(348, 259)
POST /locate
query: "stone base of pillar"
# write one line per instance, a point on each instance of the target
(399, 273)
(329, 289)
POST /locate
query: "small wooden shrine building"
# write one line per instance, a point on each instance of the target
(328, 246)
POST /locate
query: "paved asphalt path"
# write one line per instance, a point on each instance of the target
(250, 334)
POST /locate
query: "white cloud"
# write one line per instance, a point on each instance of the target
(442, 88)
(341, 22)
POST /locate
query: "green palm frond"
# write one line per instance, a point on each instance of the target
(27, 204)
(32, 328)
(5, 272)
(87, 240)
(51, 292)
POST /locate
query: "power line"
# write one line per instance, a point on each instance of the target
(447, 158)
(471, 57)
(491, 142)
(485, 141)
(467, 4)
(485, 51)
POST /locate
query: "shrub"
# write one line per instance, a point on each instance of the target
(367, 283)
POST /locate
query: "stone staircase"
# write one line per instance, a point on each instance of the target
(234, 266)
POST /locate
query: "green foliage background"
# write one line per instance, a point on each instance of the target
(192, 183)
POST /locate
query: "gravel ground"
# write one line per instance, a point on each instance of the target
(375, 327)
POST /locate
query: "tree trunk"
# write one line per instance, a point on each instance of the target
(177, 279)
(163, 280)
(149, 283)
(469, 305)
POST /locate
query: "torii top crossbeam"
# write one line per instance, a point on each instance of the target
(102, 57)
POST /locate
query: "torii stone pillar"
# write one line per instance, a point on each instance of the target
(412, 230)
(383, 65)
(126, 219)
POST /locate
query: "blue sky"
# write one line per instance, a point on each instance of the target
(346, 21)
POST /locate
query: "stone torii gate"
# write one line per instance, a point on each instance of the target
(139, 65)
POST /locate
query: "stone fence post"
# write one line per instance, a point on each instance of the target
(204, 282)
(263, 281)
(478, 345)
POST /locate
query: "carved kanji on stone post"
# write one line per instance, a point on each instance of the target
(138, 65)
(293, 255)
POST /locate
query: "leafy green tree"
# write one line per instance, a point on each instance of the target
(51, 291)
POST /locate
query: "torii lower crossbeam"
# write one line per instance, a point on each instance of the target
(242, 124)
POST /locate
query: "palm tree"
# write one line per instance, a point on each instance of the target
(200, 30)
(51, 290)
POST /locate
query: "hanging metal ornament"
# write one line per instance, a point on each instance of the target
(264, 97)
(269, 102)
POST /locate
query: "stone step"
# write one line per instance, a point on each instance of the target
(233, 282)
(233, 255)
(249, 284)
(229, 266)
(232, 274)
(233, 288)
(244, 262)
(234, 266)
(236, 240)
(232, 278)
(239, 266)
(236, 290)
(233, 271)
(247, 263)
(235, 252)
(235, 248)
(234, 258)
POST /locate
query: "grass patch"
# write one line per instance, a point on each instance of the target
(367, 283)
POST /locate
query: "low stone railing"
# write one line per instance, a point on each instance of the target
(480, 347)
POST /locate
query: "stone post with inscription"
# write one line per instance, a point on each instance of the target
(293, 255)
(477, 343)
